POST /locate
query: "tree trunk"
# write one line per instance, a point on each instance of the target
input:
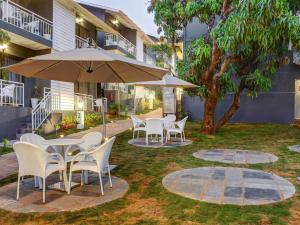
(208, 124)
(231, 110)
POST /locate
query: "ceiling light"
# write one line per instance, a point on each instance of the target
(79, 20)
(3, 46)
(115, 22)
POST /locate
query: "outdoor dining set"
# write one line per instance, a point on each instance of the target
(85, 154)
(160, 128)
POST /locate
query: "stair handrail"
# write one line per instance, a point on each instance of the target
(44, 108)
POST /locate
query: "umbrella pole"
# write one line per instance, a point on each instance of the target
(104, 106)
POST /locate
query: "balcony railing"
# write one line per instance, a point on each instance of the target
(149, 59)
(11, 93)
(80, 42)
(25, 19)
(115, 87)
(120, 41)
(83, 102)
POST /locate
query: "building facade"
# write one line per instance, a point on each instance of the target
(280, 105)
(39, 27)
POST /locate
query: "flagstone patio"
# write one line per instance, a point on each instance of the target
(294, 148)
(235, 156)
(224, 185)
(174, 142)
(81, 197)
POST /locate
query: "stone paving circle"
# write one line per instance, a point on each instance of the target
(225, 185)
(86, 196)
(294, 148)
(174, 142)
(235, 156)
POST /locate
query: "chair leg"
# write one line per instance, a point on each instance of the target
(133, 135)
(44, 190)
(65, 180)
(18, 188)
(181, 137)
(101, 184)
(82, 177)
(146, 139)
(138, 134)
(109, 175)
(70, 180)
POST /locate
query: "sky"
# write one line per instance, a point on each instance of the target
(135, 10)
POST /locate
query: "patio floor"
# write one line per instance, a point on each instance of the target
(235, 156)
(81, 197)
(225, 185)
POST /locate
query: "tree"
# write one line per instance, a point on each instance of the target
(245, 44)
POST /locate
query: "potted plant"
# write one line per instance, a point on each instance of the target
(36, 95)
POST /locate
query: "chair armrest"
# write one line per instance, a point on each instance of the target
(59, 156)
(78, 155)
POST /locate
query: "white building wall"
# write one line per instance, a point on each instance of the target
(63, 39)
(139, 48)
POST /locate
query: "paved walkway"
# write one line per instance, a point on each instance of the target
(225, 185)
(9, 164)
(235, 156)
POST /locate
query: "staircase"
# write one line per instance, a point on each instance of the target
(50, 103)
(26, 127)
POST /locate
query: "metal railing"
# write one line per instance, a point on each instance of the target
(120, 41)
(25, 19)
(80, 42)
(115, 87)
(11, 93)
(50, 103)
(83, 102)
(149, 59)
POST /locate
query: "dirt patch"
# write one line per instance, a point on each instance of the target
(265, 220)
(173, 166)
(294, 218)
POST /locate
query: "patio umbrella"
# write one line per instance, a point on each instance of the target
(167, 81)
(87, 65)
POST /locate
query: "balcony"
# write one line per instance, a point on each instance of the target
(117, 41)
(23, 22)
(80, 42)
(115, 87)
(11, 93)
(148, 59)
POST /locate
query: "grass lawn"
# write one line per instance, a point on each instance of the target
(147, 202)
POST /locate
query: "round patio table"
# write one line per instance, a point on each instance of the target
(63, 143)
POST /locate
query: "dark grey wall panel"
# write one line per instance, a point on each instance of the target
(12, 118)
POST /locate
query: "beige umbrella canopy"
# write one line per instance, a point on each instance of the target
(87, 65)
(167, 81)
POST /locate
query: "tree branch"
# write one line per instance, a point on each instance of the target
(225, 65)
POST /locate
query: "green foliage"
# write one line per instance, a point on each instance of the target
(37, 91)
(163, 53)
(256, 32)
(114, 108)
(4, 37)
(69, 122)
(92, 119)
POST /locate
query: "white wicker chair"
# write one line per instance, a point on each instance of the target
(90, 140)
(35, 161)
(8, 92)
(37, 140)
(138, 125)
(169, 121)
(177, 129)
(98, 165)
(156, 127)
